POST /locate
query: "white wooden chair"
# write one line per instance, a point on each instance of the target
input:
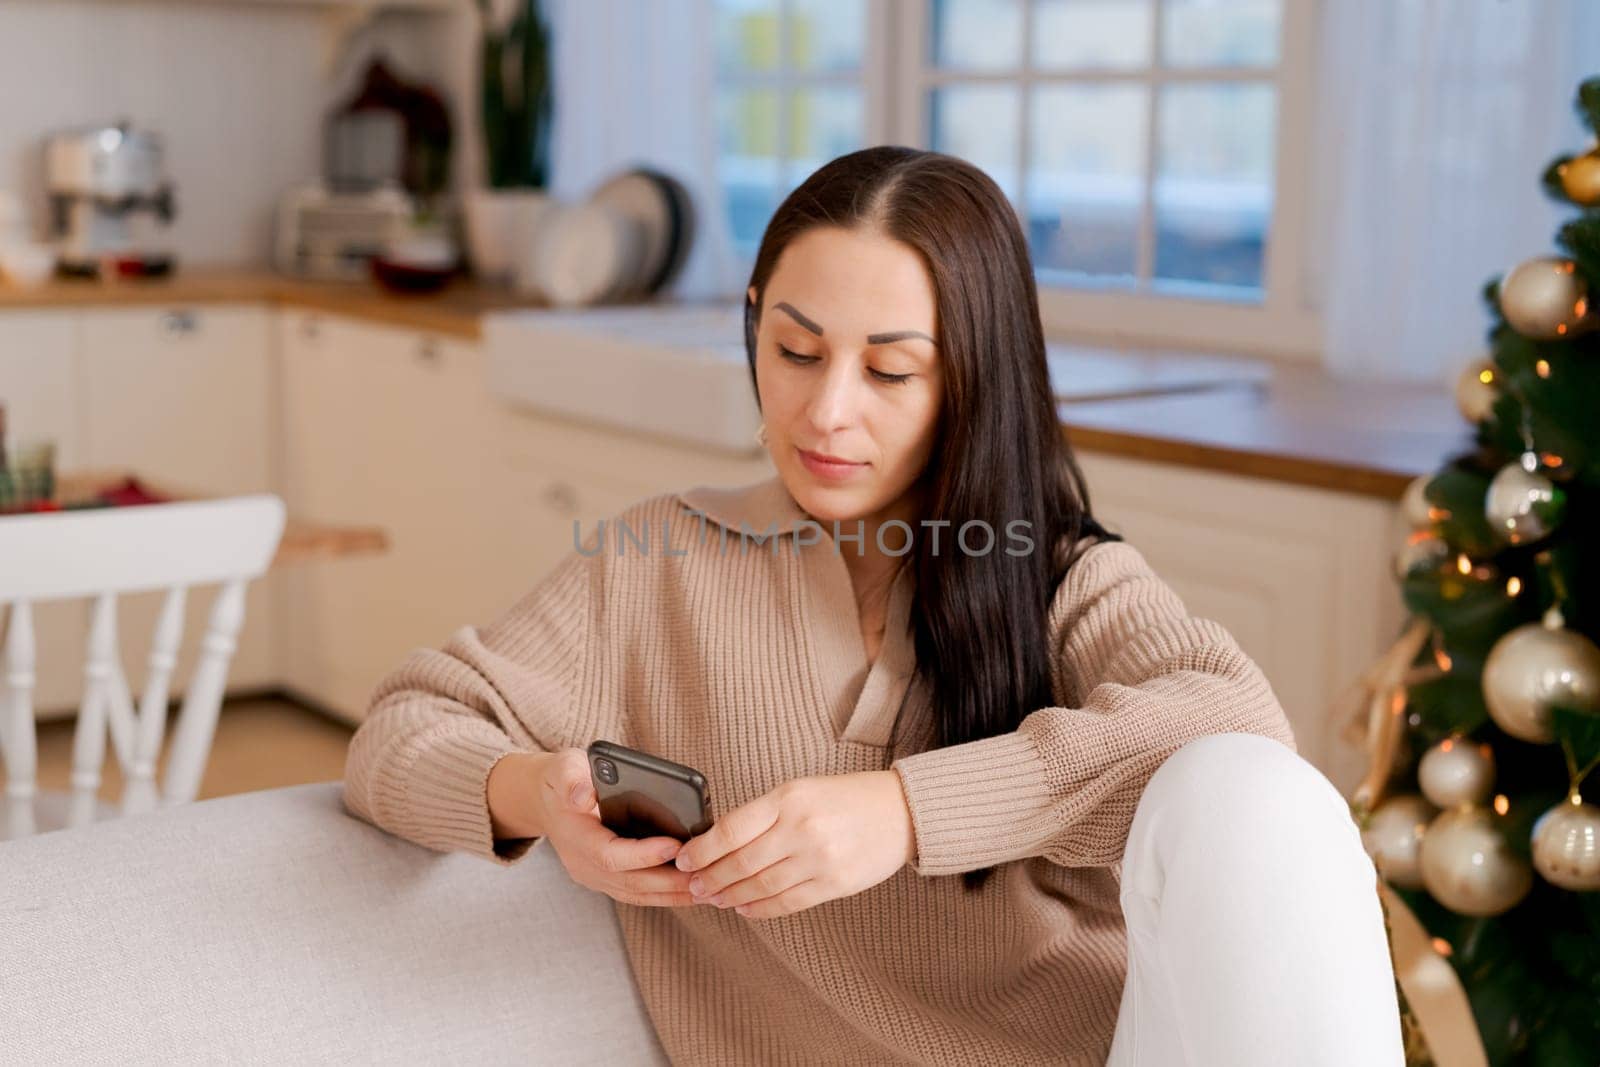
(100, 554)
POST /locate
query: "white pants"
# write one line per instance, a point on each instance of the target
(1255, 937)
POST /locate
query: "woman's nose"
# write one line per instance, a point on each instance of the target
(836, 399)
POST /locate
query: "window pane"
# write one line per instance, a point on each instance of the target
(979, 123)
(747, 35)
(1213, 193)
(977, 34)
(1086, 178)
(747, 159)
(1092, 33)
(827, 34)
(824, 122)
(1220, 33)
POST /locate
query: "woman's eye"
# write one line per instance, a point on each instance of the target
(795, 357)
(891, 378)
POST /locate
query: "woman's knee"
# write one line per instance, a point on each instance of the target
(1232, 773)
(1223, 798)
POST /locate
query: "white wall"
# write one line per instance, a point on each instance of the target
(238, 91)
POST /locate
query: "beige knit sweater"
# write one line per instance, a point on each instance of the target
(745, 660)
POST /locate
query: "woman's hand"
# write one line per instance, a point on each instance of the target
(623, 868)
(807, 841)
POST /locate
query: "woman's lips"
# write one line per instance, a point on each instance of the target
(825, 467)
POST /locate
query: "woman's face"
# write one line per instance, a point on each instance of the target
(848, 369)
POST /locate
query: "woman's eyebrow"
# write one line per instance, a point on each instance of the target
(872, 338)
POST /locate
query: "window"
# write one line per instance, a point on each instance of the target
(790, 96)
(1152, 148)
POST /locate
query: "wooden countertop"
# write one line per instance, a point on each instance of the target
(1240, 416)
(457, 310)
(1299, 426)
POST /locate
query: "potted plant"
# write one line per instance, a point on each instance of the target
(515, 112)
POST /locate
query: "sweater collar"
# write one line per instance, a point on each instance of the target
(759, 508)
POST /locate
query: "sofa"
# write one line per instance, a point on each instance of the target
(275, 927)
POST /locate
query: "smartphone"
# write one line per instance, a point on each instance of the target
(642, 795)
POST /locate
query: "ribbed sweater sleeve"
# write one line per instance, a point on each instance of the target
(1146, 678)
(418, 765)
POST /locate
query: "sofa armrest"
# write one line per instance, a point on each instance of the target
(276, 927)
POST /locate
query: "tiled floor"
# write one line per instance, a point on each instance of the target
(260, 743)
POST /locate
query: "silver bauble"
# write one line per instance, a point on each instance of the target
(1546, 298)
(1534, 668)
(1468, 866)
(1566, 846)
(1522, 504)
(1457, 771)
(1477, 389)
(1393, 838)
(1422, 549)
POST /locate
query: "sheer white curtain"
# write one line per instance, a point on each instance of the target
(1437, 118)
(634, 84)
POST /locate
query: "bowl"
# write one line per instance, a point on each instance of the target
(407, 277)
(27, 263)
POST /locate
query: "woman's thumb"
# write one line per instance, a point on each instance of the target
(581, 795)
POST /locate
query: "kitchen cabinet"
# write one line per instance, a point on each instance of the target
(1301, 577)
(562, 476)
(182, 396)
(39, 379)
(385, 427)
(39, 388)
(396, 428)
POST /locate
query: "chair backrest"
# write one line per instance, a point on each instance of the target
(100, 554)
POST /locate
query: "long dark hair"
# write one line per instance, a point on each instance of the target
(981, 621)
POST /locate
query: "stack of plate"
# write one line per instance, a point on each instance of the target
(627, 241)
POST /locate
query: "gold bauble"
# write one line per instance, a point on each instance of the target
(1545, 298)
(1580, 178)
(1477, 388)
(1534, 668)
(1457, 771)
(1566, 845)
(1468, 866)
(1393, 838)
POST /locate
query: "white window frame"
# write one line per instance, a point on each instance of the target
(1285, 324)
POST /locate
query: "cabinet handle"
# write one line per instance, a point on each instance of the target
(179, 322)
(561, 496)
(428, 350)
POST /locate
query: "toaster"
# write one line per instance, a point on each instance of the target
(331, 235)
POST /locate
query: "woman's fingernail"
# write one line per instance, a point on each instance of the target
(696, 886)
(577, 793)
(683, 863)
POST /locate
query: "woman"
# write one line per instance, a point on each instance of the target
(881, 703)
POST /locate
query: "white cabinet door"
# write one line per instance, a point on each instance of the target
(184, 395)
(554, 474)
(1301, 577)
(383, 427)
(39, 382)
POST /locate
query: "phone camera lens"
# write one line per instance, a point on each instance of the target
(606, 771)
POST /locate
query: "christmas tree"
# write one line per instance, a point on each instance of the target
(1485, 719)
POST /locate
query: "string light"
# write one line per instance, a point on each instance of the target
(1502, 804)
(1441, 946)
(1513, 585)
(1463, 564)
(1543, 368)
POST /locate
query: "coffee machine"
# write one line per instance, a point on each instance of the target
(111, 204)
